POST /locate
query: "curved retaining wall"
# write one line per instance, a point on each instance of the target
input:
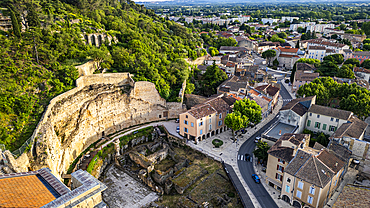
(100, 105)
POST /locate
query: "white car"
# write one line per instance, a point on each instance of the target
(177, 129)
(257, 139)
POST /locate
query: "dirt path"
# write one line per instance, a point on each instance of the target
(198, 61)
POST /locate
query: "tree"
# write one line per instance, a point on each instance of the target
(15, 24)
(275, 62)
(297, 44)
(261, 151)
(211, 79)
(235, 121)
(323, 139)
(366, 64)
(346, 72)
(250, 109)
(32, 16)
(335, 58)
(268, 55)
(328, 68)
(367, 40)
(276, 38)
(352, 61)
(282, 35)
(366, 28)
(101, 56)
(213, 51)
(314, 62)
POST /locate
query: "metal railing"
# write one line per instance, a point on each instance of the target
(26, 146)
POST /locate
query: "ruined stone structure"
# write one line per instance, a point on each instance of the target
(100, 105)
(87, 68)
(97, 39)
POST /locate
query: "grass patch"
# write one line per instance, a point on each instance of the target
(136, 134)
(188, 175)
(102, 154)
(165, 164)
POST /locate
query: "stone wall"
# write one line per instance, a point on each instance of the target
(87, 68)
(97, 39)
(100, 105)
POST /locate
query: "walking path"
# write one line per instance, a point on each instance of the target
(288, 88)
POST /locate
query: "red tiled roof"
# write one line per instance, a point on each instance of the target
(361, 69)
(288, 56)
(288, 49)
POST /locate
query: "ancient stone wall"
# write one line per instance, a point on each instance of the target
(100, 105)
(87, 68)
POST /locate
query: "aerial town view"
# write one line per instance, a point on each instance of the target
(184, 104)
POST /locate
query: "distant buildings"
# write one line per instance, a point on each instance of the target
(361, 55)
(290, 19)
(303, 75)
(319, 27)
(294, 27)
(338, 47)
(287, 56)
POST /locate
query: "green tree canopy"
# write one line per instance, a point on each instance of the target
(250, 109)
(346, 72)
(366, 64)
(213, 51)
(335, 58)
(235, 121)
(269, 54)
(211, 79)
(352, 61)
(261, 151)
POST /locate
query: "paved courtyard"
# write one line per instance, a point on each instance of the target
(124, 191)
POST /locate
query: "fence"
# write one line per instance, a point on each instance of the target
(26, 146)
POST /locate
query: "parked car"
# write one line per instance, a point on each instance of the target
(257, 139)
(256, 178)
(178, 129)
(177, 121)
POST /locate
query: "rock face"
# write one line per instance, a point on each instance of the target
(100, 105)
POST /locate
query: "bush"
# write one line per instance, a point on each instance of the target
(218, 143)
(231, 194)
(287, 81)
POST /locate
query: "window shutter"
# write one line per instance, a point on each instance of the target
(283, 162)
(277, 168)
(276, 176)
(282, 169)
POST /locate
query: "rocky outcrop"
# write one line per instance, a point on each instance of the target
(100, 105)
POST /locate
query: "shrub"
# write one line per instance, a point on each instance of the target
(218, 143)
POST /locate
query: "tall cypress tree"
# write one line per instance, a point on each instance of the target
(32, 17)
(15, 24)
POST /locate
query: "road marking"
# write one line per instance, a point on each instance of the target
(238, 157)
(241, 157)
(287, 100)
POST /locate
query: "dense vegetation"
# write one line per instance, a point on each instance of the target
(38, 61)
(351, 97)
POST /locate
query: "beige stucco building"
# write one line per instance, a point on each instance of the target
(280, 155)
(205, 120)
(311, 177)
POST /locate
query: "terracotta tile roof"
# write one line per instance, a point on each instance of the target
(300, 75)
(286, 153)
(259, 100)
(305, 66)
(288, 56)
(24, 191)
(268, 89)
(211, 106)
(326, 43)
(287, 49)
(229, 100)
(339, 150)
(331, 112)
(230, 64)
(354, 129)
(202, 110)
(296, 106)
(316, 48)
(307, 167)
(330, 160)
(361, 69)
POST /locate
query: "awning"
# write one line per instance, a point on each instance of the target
(274, 182)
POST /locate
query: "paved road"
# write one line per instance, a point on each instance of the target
(246, 168)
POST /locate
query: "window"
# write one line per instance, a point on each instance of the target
(318, 116)
(210, 116)
(332, 128)
(332, 119)
(186, 116)
(299, 194)
(335, 183)
(201, 123)
(308, 123)
(280, 168)
(210, 120)
(220, 116)
(317, 125)
(282, 161)
(312, 190)
(309, 199)
(185, 129)
(300, 185)
(186, 122)
(310, 114)
(219, 123)
(337, 120)
(287, 188)
(192, 124)
(201, 132)
(288, 180)
(210, 126)
(279, 177)
(227, 112)
(324, 127)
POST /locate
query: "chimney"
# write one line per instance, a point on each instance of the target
(336, 164)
